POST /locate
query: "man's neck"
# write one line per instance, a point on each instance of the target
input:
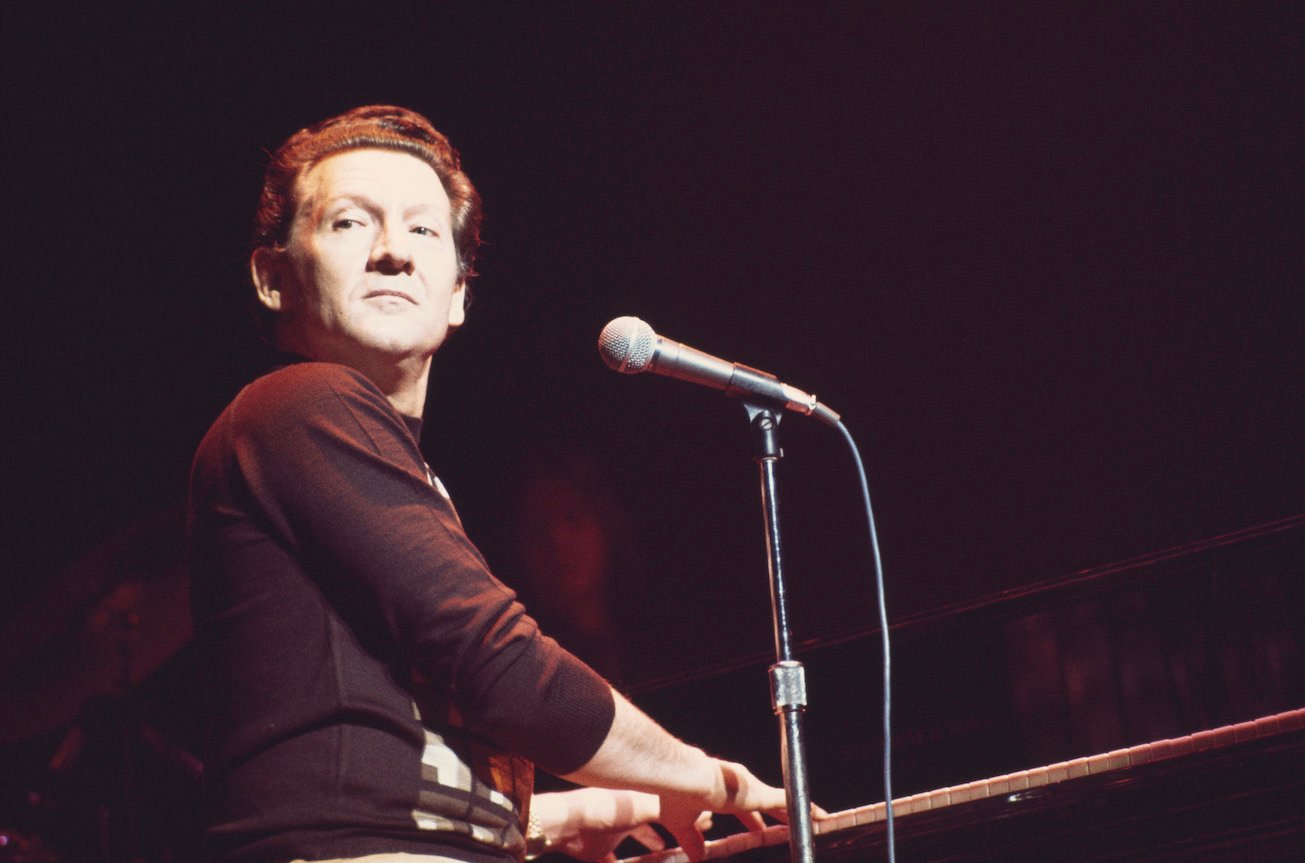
(404, 384)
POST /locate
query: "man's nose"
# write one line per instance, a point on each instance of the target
(392, 252)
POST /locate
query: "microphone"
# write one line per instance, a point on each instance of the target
(629, 345)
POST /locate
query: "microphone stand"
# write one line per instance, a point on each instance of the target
(788, 690)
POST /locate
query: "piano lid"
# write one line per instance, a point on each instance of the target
(1179, 641)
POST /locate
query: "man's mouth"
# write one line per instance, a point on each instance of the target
(389, 293)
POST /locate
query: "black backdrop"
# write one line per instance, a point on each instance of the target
(1045, 258)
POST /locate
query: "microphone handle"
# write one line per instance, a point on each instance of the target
(677, 360)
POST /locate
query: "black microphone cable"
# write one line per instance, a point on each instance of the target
(889, 831)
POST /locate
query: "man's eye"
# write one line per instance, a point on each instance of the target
(425, 231)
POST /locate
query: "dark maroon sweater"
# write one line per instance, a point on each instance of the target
(371, 686)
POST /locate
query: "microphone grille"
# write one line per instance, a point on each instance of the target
(627, 345)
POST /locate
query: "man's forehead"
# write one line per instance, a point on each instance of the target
(369, 173)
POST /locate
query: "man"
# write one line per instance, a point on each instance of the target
(373, 689)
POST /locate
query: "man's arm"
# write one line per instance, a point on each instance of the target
(639, 755)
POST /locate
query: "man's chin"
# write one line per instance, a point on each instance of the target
(400, 346)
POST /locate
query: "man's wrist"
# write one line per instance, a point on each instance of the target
(536, 841)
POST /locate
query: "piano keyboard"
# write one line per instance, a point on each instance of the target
(1013, 783)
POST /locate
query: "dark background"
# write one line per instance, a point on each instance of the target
(1046, 260)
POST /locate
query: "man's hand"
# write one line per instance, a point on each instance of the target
(588, 823)
(737, 793)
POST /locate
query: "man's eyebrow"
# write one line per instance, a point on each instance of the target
(366, 202)
(311, 208)
(426, 207)
(351, 198)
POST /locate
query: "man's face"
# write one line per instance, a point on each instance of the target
(370, 271)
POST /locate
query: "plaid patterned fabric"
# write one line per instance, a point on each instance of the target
(470, 789)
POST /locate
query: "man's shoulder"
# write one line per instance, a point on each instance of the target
(299, 412)
(310, 380)
(306, 384)
(303, 391)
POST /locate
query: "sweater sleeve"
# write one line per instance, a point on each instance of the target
(335, 470)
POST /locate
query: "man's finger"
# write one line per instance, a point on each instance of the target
(745, 791)
(649, 838)
(781, 815)
(691, 841)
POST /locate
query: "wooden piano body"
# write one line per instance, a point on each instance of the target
(1162, 696)
(1231, 793)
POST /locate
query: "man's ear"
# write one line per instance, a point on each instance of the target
(458, 304)
(267, 267)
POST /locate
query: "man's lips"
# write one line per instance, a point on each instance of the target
(389, 293)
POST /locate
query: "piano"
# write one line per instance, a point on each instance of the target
(1149, 710)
